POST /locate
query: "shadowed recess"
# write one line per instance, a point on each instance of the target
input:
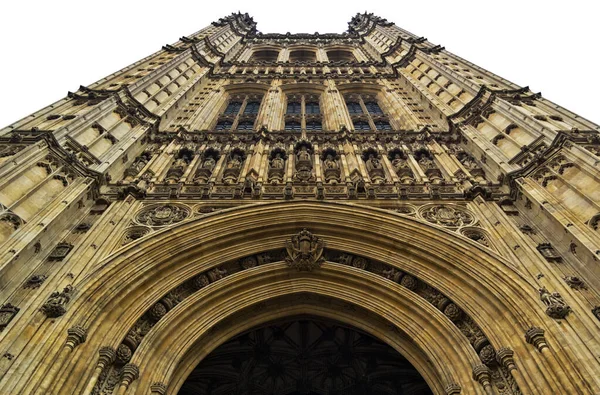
(304, 356)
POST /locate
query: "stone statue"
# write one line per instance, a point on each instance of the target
(234, 162)
(277, 162)
(303, 154)
(209, 163)
(556, 306)
(373, 163)
(330, 163)
(426, 163)
(399, 163)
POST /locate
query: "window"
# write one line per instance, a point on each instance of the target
(373, 108)
(313, 125)
(371, 113)
(362, 126)
(233, 108)
(252, 107)
(303, 56)
(340, 56)
(265, 56)
(303, 109)
(292, 126)
(382, 125)
(245, 125)
(294, 108)
(224, 125)
(354, 108)
(244, 119)
(312, 108)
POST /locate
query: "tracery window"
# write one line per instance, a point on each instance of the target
(340, 56)
(312, 108)
(240, 113)
(294, 107)
(314, 126)
(301, 55)
(305, 110)
(252, 107)
(265, 55)
(365, 112)
(293, 125)
(361, 126)
(354, 108)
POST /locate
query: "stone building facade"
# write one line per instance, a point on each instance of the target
(362, 203)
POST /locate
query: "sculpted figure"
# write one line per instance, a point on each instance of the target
(330, 163)
(373, 163)
(277, 162)
(234, 162)
(399, 163)
(209, 163)
(303, 154)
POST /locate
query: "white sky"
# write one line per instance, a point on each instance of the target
(51, 47)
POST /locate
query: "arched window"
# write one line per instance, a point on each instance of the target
(224, 125)
(340, 56)
(354, 107)
(313, 125)
(245, 125)
(233, 108)
(312, 108)
(294, 108)
(293, 125)
(362, 125)
(303, 56)
(373, 108)
(252, 107)
(265, 55)
(383, 125)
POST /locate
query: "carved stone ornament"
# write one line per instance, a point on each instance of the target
(55, 305)
(575, 282)
(596, 312)
(447, 215)
(535, 336)
(35, 281)
(453, 389)
(304, 251)
(7, 313)
(556, 306)
(162, 215)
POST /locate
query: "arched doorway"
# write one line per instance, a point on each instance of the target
(305, 355)
(439, 299)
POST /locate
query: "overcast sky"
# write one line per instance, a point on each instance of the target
(52, 47)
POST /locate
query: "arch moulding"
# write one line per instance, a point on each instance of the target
(488, 289)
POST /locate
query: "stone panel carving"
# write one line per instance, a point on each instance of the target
(159, 215)
(446, 215)
(305, 251)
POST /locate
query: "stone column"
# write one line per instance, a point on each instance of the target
(505, 357)
(481, 373)
(453, 389)
(158, 389)
(107, 357)
(130, 373)
(75, 336)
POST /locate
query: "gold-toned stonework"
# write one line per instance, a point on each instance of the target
(263, 213)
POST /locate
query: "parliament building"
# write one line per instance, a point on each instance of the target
(243, 213)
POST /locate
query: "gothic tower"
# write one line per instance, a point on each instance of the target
(286, 214)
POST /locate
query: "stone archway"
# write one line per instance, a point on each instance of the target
(304, 355)
(131, 282)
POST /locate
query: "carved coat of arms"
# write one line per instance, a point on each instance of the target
(305, 251)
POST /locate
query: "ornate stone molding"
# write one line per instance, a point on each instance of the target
(535, 336)
(305, 251)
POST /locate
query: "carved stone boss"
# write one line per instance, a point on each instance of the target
(305, 251)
